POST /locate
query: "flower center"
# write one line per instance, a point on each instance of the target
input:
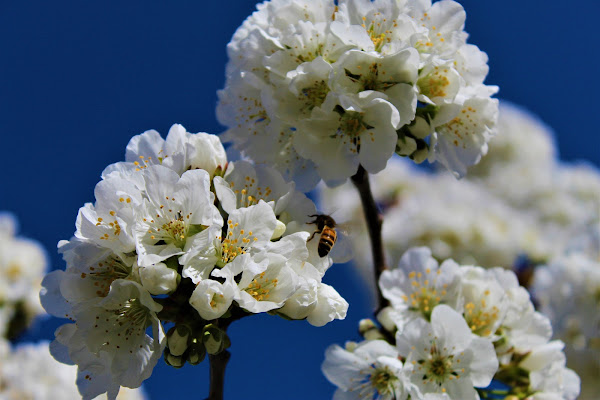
(313, 96)
(425, 296)
(310, 55)
(434, 84)
(216, 299)
(260, 287)
(105, 273)
(251, 194)
(382, 380)
(480, 318)
(171, 224)
(439, 368)
(352, 124)
(13, 272)
(176, 228)
(234, 244)
(112, 225)
(378, 37)
(125, 326)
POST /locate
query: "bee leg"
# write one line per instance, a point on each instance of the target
(313, 235)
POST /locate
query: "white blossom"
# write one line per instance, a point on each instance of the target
(212, 299)
(30, 372)
(177, 234)
(23, 263)
(371, 370)
(548, 376)
(418, 285)
(446, 356)
(180, 151)
(108, 342)
(315, 90)
(567, 291)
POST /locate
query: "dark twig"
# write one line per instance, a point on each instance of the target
(218, 363)
(374, 221)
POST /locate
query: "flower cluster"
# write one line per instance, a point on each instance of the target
(23, 264)
(452, 332)
(517, 207)
(29, 372)
(522, 169)
(179, 235)
(316, 88)
(568, 291)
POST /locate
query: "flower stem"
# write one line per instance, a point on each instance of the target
(218, 362)
(374, 221)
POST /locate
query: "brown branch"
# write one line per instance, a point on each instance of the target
(218, 363)
(374, 221)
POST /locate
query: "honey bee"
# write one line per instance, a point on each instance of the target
(326, 227)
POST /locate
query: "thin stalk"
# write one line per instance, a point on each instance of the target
(218, 363)
(374, 221)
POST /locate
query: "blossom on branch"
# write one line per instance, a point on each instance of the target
(178, 234)
(454, 332)
(23, 264)
(315, 89)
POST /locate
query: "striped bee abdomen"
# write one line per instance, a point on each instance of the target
(327, 240)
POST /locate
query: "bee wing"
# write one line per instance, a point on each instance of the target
(342, 251)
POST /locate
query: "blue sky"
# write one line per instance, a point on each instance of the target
(79, 78)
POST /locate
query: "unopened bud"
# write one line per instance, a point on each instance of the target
(420, 155)
(173, 361)
(373, 334)
(365, 325)
(177, 339)
(220, 171)
(196, 353)
(350, 346)
(368, 330)
(419, 128)
(213, 339)
(385, 318)
(405, 146)
(279, 230)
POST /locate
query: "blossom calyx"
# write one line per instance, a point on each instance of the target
(215, 340)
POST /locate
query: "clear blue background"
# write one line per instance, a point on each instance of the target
(79, 78)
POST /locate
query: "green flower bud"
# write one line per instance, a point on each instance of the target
(419, 128)
(365, 325)
(420, 155)
(279, 230)
(369, 330)
(196, 353)
(350, 346)
(385, 319)
(173, 361)
(213, 339)
(177, 339)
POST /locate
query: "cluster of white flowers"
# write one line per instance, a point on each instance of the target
(178, 234)
(519, 201)
(568, 291)
(23, 264)
(523, 170)
(452, 332)
(28, 371)
(316, 88)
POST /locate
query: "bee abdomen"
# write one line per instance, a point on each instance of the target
(326, 242)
